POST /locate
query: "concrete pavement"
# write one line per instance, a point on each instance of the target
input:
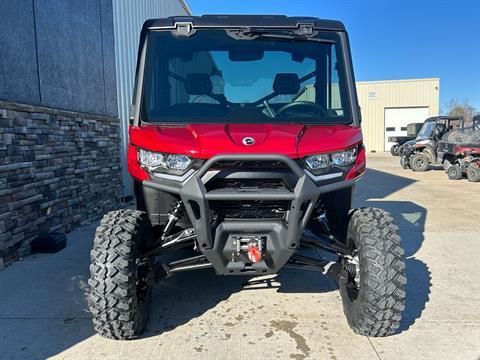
(294, 315)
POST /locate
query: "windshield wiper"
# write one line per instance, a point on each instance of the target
(295, 34)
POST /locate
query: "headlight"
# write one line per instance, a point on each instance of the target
(323, 161)
(316, 162)
(344, 158)
(178, 162)
(152, 161)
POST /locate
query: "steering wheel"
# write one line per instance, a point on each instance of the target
(310, 107)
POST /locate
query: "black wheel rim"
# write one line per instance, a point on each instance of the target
(142, 287)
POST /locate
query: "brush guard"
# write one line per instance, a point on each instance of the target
(228, 245)
(217, 239)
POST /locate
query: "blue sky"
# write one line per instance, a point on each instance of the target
(393, 39)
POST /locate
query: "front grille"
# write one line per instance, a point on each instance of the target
(245, 185)
(231, 181)
(244, 165)
(249, 209)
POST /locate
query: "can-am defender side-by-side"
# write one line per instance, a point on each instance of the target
(245, 145)
(422, 152)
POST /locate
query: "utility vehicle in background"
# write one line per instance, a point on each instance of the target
(412, 131)
(420, 153)
(460, 153)
(245, 146)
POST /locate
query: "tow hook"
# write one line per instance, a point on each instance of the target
(254, 254)
(252, 246)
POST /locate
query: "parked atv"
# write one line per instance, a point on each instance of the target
(245, 146)
(412, 131)
(466, 164)
(420, 153)
(460, 153)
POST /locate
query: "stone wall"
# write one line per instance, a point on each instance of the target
(58, 169)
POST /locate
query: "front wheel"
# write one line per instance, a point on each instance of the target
(394, 150)
(454, 172)
(373, 292)
(404, 163)
(473, 173)
(419, 162)
(120, 296)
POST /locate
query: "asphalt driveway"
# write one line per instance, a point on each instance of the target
(294, 315)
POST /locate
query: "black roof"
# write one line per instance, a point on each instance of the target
(246, 21)
(436, 118)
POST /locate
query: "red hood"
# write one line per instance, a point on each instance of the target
(205, 141)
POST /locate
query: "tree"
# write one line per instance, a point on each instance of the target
(455, 107)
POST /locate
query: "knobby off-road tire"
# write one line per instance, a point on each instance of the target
(473, 173)
(120, 297)
(374, 308)
(394, 150)
(419, 162)
(454, 172)
(404, 163)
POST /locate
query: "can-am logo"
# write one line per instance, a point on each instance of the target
(248, 141)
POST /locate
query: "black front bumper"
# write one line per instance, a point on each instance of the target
(216, 238)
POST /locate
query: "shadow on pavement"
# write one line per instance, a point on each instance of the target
(410, 218)
(42, 300)
(43, 308)
(185, 296)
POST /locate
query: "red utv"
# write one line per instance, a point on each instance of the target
(460, 152)
(245, 146)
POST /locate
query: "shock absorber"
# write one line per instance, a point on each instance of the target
(322, 219)
(175, 213)
(351, 269)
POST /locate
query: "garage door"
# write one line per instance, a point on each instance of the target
(397, 119)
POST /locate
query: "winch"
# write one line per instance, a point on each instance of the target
(252, 246)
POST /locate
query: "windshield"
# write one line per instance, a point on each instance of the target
(426, 130)
(214, 77)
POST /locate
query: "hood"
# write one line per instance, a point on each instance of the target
(206, 140)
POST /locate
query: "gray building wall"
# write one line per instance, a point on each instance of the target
(58, 54)
(61, 140)
(59, 131)
(129, 17)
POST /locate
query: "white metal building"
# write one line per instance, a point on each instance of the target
(128, 18)
(388, 106)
